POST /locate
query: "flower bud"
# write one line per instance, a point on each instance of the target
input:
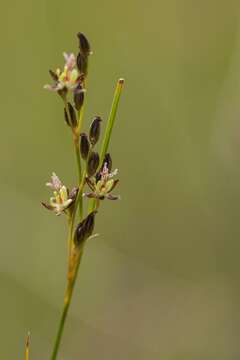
(84, 145)
(72, 121)
(92, 164)
(94, 131)
(78, 97)
(84, 45)
(82, 64)
(84, 229)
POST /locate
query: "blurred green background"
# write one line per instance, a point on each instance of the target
(162, 280)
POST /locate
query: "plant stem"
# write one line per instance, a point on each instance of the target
(67, 303)
(77, 151)
(111, 119)
(71, 278)
(108, 131)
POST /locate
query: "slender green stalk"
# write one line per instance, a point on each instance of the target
(77, 151)
(108, 130)
(67, 302)
(71, 282)
(111, 119)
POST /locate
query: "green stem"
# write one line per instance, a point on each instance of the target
(67, 303)
(108, 131)
(76, 133)
(111, 119)
(77, 151)
(79, 199)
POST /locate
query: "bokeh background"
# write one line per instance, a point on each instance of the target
(162, 280)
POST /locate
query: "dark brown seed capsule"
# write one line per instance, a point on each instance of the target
(95, 129)
(78, 97)
(84, 45)
(70, 116)
(82, 63)
(84, 145)
(84, 229)
(92, 164)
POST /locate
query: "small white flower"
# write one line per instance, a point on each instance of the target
(61, 200)
(56, 183)
(102, 188)
(69, 78)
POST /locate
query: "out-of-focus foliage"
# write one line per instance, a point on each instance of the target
(162, 280)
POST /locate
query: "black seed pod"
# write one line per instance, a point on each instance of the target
(94, 131)
(84, 229)
(92, 164)
(84, 145)
(78, 97)
(84, 45)
(72, 121)
(82, 63)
